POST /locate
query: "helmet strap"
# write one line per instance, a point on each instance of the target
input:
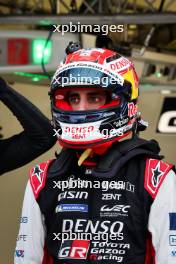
(134, 130)
(84, 156)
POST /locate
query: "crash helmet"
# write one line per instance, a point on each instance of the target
(101, 69)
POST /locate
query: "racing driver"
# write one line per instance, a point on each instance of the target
(108, 197)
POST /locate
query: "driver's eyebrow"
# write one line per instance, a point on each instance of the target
(91, 93)
(94, 93)
(73, 93)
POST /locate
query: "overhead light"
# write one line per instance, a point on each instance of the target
(39, 50)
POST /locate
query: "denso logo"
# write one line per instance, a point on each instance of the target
(89, 226)
(115, 208)
(74, 130)
(119, 64)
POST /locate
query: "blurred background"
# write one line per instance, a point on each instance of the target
(30, 51)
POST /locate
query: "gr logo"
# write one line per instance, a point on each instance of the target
(167, 120)
(74, 249)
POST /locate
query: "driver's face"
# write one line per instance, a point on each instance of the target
(81, 100)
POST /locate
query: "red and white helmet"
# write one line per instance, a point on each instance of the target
(100, 69)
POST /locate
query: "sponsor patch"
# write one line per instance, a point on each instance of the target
(132, 109)
(72, 195)
(111, 196)
(173, 253)
(22, 237)
(71, 208)
(38, 177)
(19, 253)
(77, 249)
(120, 64)
(114, 211)
(172, 240)
(172, 220)
(155, 173)
(23, 219)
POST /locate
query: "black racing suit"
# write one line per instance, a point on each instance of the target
(123, 210)
(36, 138)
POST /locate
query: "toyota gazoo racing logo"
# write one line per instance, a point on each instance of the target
(76, 249)
(116, 208)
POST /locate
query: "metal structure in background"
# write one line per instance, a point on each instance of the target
(89, 12)
(87, 6)
(148, 17)
(116, 6)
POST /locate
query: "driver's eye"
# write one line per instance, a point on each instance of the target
(95, 98)
(74, 99)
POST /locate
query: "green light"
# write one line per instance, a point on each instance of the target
(158, 74)
(38, 51)
(35, 79)
(45, 22)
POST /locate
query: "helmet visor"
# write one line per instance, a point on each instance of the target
(85, 99)
(87, 76)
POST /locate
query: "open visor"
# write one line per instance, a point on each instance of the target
(63, 98)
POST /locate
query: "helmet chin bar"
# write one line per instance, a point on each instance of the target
(89, 135)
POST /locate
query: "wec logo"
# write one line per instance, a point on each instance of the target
(115, 208)
(77, 249)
